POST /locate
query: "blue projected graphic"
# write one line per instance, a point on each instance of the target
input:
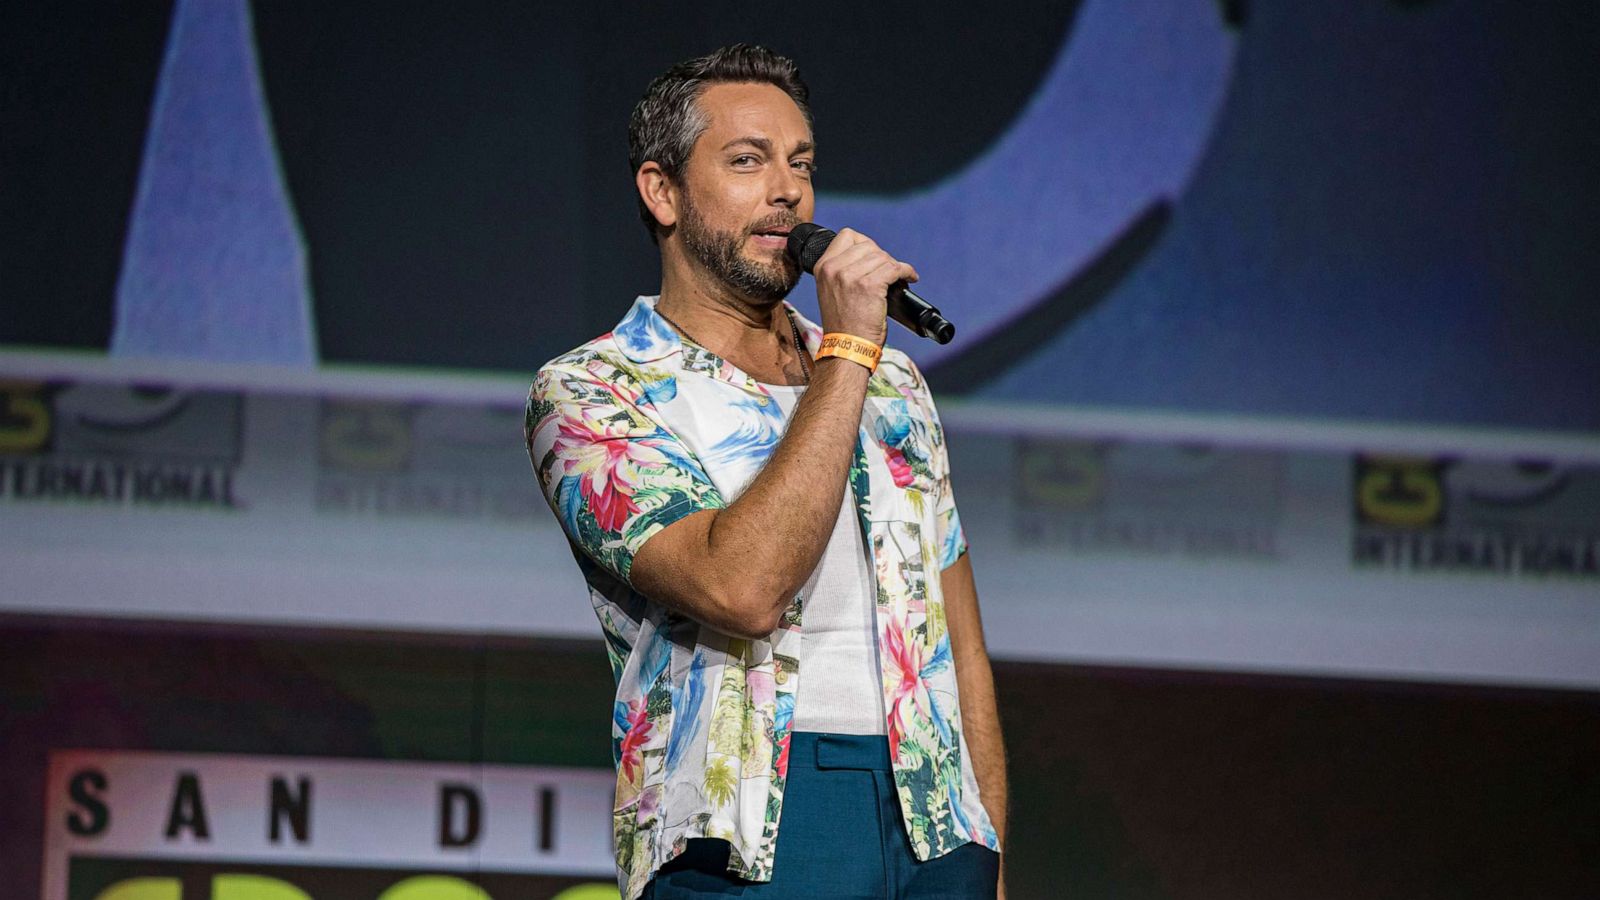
(1369, 212)
(1119, 122)
(1367, 238)
(214, 267)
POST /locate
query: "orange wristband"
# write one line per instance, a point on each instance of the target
(848, 346)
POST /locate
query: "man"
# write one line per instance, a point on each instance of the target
(769, 537)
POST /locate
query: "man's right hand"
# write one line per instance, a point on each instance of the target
(853, 279)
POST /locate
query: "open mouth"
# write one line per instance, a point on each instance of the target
(772, 239)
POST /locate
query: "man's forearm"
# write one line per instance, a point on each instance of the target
(738, 568)
(780, 525)
(981, 725)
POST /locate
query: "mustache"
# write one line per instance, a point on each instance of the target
(778, 221)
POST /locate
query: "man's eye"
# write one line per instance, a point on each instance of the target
(806, 166)
(745, 160)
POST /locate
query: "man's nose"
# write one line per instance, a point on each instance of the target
(787, 188)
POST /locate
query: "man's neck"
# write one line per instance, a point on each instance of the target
(752, 334)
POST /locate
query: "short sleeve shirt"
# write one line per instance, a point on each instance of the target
(639, 428)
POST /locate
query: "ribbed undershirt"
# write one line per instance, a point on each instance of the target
(840, 691)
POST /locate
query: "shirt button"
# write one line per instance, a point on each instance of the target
(783, 677)
(762, 401)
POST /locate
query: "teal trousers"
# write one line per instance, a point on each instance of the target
(841, 837)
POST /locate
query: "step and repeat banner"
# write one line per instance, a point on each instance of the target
(1276, 354)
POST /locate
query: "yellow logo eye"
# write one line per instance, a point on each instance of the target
(24, 419)
(1404, 493)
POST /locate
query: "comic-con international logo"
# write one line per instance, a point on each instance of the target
(1109, 497)
(454, 461)
(1504, 518)
(119, 445)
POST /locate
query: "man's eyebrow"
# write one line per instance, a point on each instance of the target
(760, 143)
(765, 146)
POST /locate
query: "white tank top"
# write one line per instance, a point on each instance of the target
(840, 689)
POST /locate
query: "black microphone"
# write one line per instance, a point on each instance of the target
(807, 243)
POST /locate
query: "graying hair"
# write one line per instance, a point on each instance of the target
(668, 119)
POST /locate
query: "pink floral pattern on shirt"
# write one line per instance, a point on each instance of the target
(638, 428)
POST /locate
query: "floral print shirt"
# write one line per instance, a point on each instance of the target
(639, 428)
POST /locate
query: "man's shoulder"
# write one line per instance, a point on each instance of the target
(604, 372)
(602, 349)
(600, 361)
(595, 371)
(627, 355)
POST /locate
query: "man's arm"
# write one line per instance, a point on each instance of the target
(980, 719)
(737, 569)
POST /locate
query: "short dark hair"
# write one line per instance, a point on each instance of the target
(667, 120)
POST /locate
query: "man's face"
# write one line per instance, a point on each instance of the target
(747, 182)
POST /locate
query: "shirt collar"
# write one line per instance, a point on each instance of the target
(644, 335)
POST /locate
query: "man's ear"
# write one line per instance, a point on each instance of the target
(659, 193)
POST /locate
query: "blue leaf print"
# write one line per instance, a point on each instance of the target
(619, 717)
(987, 837)
(894, 426)
(939, 661)
(785, 712)
(686, 711)
(679, 456)
(654, 661)
(644, 333)
(661, 390)
(755, 437)
(946, 737)
(951, 550)
(571, 499)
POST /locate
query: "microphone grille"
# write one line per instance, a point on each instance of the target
(807, 242)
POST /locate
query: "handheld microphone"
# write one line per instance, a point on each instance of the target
(807, 243)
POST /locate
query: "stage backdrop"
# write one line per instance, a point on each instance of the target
(1275, 349)
(1276, 354)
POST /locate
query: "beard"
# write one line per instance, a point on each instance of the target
(722, 253)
